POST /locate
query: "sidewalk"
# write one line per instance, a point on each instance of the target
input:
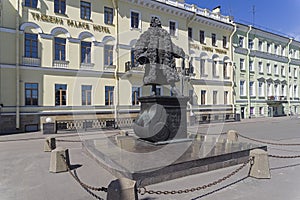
(25, 169)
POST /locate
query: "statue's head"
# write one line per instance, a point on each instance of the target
(155, 22)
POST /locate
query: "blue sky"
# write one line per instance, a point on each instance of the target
(282, 16)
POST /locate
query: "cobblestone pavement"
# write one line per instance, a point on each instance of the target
(25, 167)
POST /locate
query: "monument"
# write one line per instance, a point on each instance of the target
(162, 118)
(162, 150)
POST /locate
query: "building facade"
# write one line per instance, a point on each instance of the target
(266, 73)
(73, 59)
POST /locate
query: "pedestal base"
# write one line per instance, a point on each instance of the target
(162, 118)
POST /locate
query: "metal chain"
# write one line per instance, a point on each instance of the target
(60, 140)
(271, 143)
(144, 191)
(286, 157)
(102, 189)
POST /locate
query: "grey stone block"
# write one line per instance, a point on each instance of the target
(122, 189)
(260, 168)
(57, 162)
(50, 144)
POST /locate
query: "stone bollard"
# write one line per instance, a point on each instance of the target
(124, 133)
(232, 136)
(122, 189)
(50, 144)
(260, 168)
(57, 162)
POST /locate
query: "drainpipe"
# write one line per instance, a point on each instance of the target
(117, 96)
(248, 71)
(233, 66)
(17, 67)
(288, 75)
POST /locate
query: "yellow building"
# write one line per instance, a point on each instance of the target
(69, 60)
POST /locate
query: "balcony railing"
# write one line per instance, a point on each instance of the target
(87, 66)
(60, 64)
(277, 98)
(35, 62)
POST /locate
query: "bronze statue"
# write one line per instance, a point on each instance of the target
(156, 51)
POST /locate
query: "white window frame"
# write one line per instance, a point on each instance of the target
(140, 20)
(260, 67)
(261, 89)
(176, 28)
(241, 41)
(243, 86)
(242, 64)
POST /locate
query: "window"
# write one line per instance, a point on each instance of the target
(260, 45)
(202, 67)
(31, 3)
(132, 58)
(241, 41)
(85, 10)
(86, 52)
(295, 91)
(225, 97)
(214, 68)
(224, 42)
(251, 111)
(135, 95)
(283, 90)
(190, 33)
(276, 49)
(283, 51)
(251, 68)
(215, 97)
(260, 67)
(31, 45)
(60, 6)
(250, 43)
(276, 88)
(295, 72)
(60, 94)
(268, 48)
(242, 64)
(109, 95)
(202, 37)
(269, 70)
(282, 71)
(269, 90)
(60, 48)
(261, 111)
(203, 97)
(225, 70)
(108, 15)
(158, 90)
(276, 71)
(213, 39)
(135, 19)
(108, 55)
(242, 88)
(86, 95)
(290, 73)
(251, 89)
(172, 28)
(31, 94)
(260, 89)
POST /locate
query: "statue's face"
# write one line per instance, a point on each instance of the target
(157, 21)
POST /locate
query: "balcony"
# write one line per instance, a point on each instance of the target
(35, 62)
(61, 64)
(279, 99)
(87, 66)
(110, 68)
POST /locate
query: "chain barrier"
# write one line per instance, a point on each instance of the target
(61, 140)
(143, 190)
(271, 143)
(285, 157)
(85, 186)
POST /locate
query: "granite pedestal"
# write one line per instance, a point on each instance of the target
(147, 163)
